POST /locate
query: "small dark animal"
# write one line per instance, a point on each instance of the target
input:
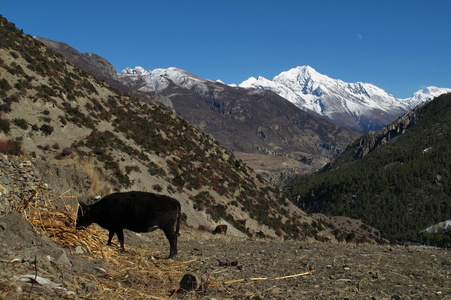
(350, 237)
(220, 229)
(135, 211)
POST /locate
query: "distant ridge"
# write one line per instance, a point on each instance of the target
(361, 106)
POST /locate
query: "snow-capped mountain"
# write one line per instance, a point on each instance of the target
(158, 80)
(358, 105)
(428, 93)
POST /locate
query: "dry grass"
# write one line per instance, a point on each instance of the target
(98, 185)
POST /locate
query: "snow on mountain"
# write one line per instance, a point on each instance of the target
(442, 226)
(357, 105)
(361, 106)
(158, 80)
(428, 93)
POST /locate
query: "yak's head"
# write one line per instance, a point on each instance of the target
(84, 218)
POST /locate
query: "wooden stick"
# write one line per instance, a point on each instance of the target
(263, 278)
(259, 278)
(234, 281)
(294, 276)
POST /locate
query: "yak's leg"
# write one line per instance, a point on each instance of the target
(172, 238)
(120, 236)
(110, 236)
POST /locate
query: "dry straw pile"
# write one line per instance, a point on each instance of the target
(135, 274)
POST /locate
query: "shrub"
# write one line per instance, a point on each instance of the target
(4, 87)
(157, 187)
(21, 123)
(66, 152)
(129, 169)
(11, 147)
(5, 126)
(46, 129)
(154, 169)
(279, 232)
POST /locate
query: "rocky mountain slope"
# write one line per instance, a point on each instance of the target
(102, 69)
(361, 106)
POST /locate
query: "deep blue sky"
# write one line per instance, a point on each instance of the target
(400, 46)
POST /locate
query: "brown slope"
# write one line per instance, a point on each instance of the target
(268, 132)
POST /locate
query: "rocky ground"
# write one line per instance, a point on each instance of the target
(33, 266)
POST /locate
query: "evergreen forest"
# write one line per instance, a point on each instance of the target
(401, 188)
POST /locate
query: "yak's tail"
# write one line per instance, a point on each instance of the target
(179, 215)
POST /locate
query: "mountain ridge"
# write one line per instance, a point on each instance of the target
(101, 69)
(239, 123)
(361, 106)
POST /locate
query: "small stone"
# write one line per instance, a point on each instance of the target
(8, 296)
(90, 286)
(64, 260)
(189, 282)
(3, 226)
(79, 250)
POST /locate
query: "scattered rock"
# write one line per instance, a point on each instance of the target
(228, 263)
(63, 259)
(190, 282)
(79, 250)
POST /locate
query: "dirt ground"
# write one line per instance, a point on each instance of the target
(229, 267)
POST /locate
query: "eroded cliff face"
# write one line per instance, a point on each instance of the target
(370, 142)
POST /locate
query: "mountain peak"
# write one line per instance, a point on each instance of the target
(304, 70)
(362, 106)
(428, 93)
(301, 74)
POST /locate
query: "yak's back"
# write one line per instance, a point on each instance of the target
(137, 211)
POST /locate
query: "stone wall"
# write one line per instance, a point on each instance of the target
(20, 177)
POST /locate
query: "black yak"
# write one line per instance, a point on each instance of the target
(135, 211)
(220, 229)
